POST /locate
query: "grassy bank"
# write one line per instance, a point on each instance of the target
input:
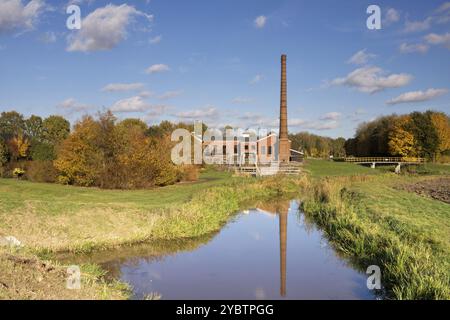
(373, 222)
(49, 218)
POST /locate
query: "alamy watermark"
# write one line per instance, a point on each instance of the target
(73, 22)
(73, 280)
(373, 22)
(231, 146)
(374, 280)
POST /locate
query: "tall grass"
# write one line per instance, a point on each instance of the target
(52, 219)
(209, 210)
(413, 266)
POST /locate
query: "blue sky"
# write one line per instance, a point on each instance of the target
(219, 61)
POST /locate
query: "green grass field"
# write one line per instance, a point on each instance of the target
(322, 168)
(59, 218)
(56, 217)
(56, 199)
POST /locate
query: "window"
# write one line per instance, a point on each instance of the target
(263, 150)
(224, 149)
(269, 150)
(235, 149)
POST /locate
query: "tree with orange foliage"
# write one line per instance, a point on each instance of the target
(109, 155)
(442, 124)
(79, 159)
(401, 141)
(19, 146)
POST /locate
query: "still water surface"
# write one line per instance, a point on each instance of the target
(269, 252)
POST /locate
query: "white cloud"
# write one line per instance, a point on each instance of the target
(136, 104)
(241, 100)
(157, 68)
(361, 57)
(416, 26)
(437, 39)
(443, 13)
(119, 87)
(145, 94)
(417, 96)
(72, 105)
(104, 28)
(392, 16)
(253, 119)
(198, 114)
(256, 79)
(257, 120)
(48, 37)
(444, 7)
(170, 94)
(331, 116)
(409, 48)
(371, 80)
(156, 39)
(260, 21)
(79, 2)
(14, 15)
(333, 124)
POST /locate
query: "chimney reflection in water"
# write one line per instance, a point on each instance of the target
(282, 218)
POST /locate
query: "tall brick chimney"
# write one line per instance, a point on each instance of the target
(284, 143)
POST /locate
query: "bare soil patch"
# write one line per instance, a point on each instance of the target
(438, 188)
(27, 277)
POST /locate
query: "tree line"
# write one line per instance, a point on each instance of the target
(317, 146)
(417, 134)
(100, 151)
(104, 152)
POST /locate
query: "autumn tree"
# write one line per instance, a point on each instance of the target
(109, 155)
(317, 146)
(78, 156)
(401, 141)
(166, 128)
(441, 123)
(18, 147)
(55, 129)
(129, 123)
(3, 153)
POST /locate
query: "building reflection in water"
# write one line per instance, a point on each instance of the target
(281, 208)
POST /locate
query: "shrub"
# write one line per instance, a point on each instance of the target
(445, 158)
(41, 171)
(18, 172)
(190, 173)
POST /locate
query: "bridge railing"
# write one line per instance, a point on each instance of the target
(382, 159)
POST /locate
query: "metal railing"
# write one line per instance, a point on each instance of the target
(382, 159)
